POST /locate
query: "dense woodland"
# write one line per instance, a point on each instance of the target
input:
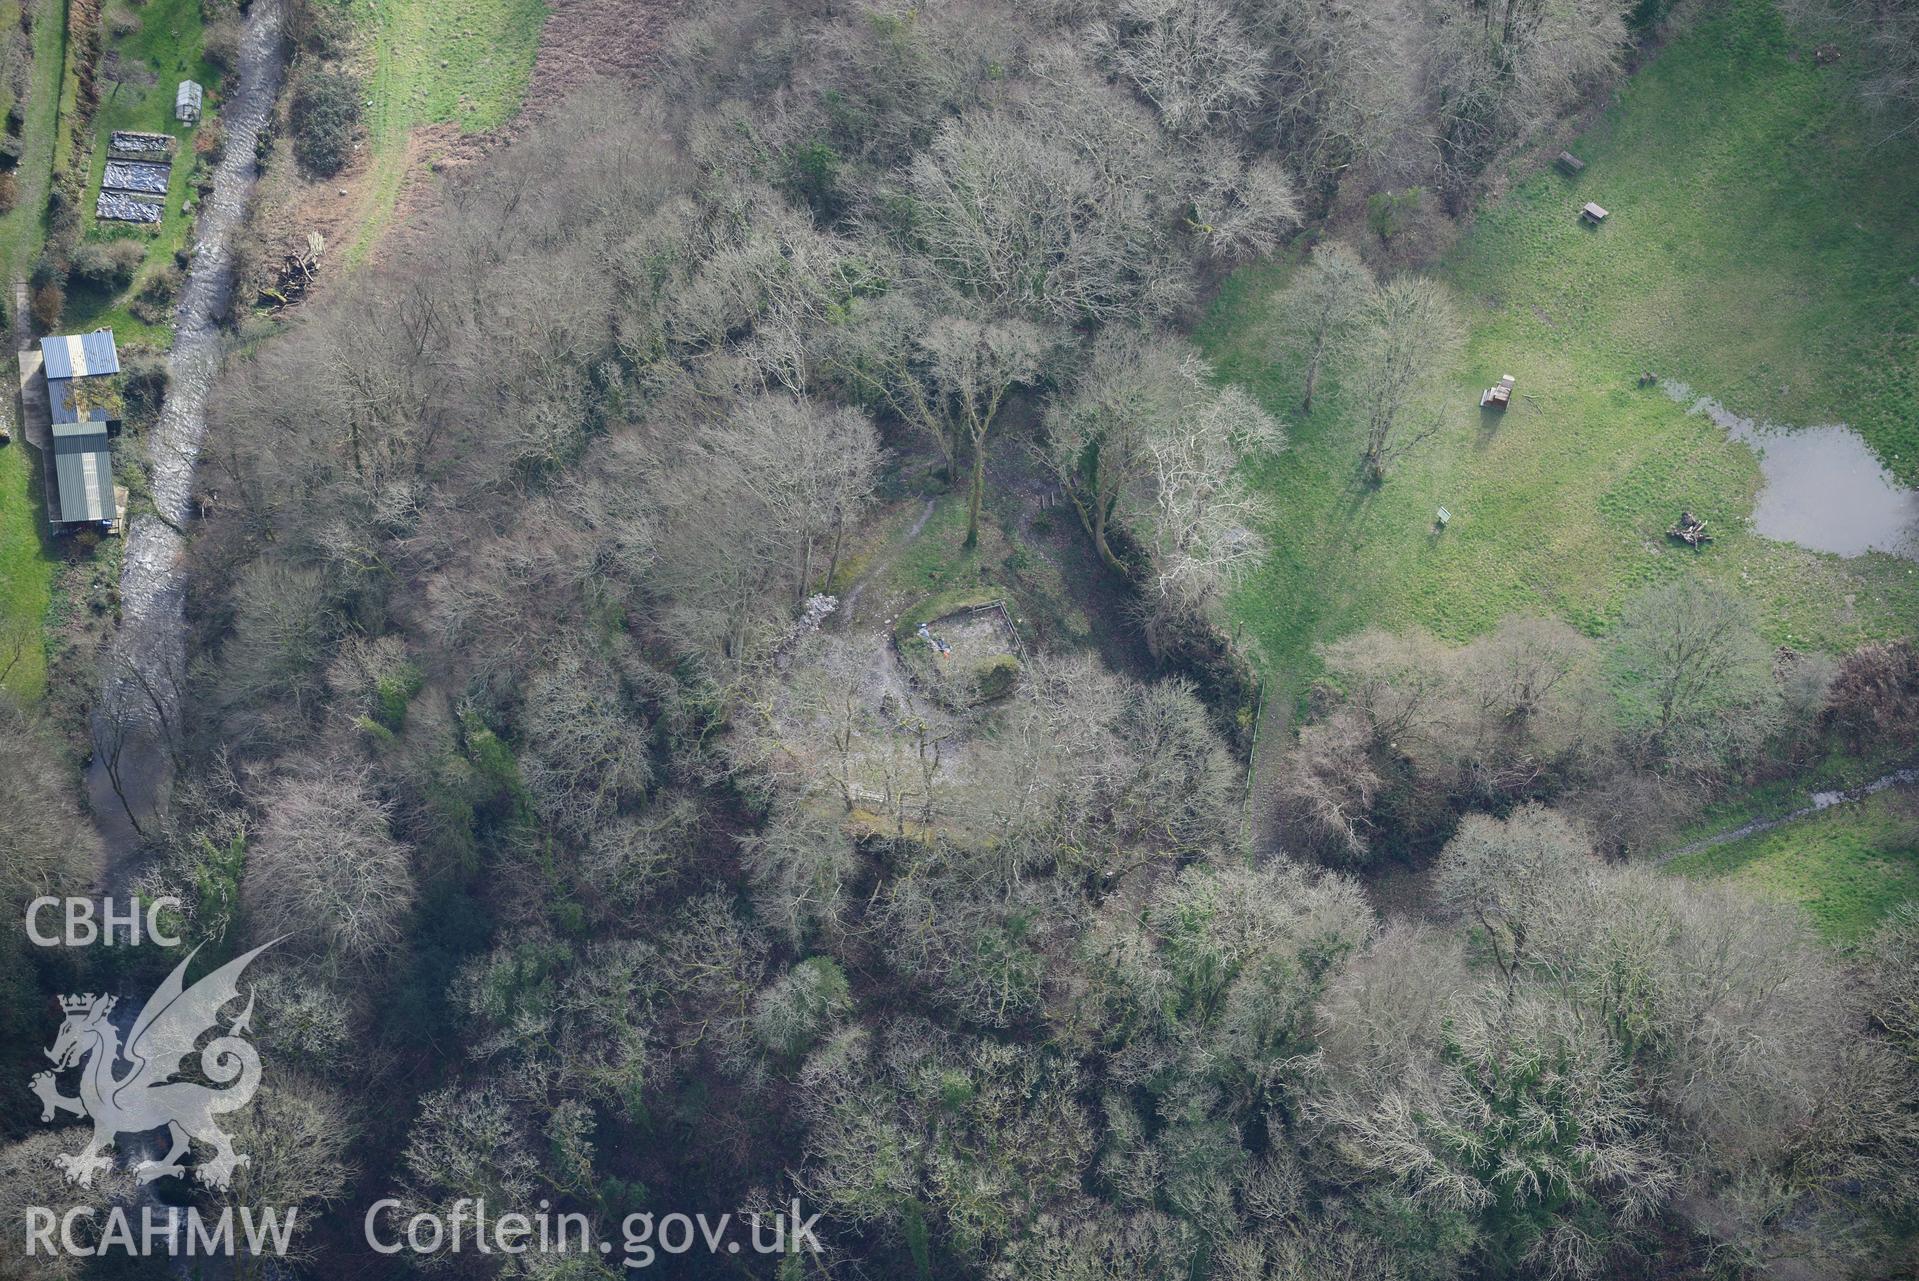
(606, 881)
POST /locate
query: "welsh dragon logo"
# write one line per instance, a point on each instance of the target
(145, 1096)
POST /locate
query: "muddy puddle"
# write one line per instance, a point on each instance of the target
(1825, 488)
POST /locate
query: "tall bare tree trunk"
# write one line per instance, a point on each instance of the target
(839, 536)
(978, 492)
(1312, 373)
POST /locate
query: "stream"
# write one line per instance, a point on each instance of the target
(136, 717)
(135, 722)
(1819, 801)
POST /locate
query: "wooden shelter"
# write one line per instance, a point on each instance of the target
(1498, 396)
(1593, 214)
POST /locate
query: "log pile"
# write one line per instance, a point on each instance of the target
(1690, 530)
(296, 274)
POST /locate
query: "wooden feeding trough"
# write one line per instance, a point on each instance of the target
(1690, 530)
(1569, 164)
(1498, 397)
(1593, 214)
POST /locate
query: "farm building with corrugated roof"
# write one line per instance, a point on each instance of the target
(83, 403)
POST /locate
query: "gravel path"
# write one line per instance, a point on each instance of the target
(134, 722)
(850, 606)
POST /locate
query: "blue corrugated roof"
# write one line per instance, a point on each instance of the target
(102, 356)
(80, 355)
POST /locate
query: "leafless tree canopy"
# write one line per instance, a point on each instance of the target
(46, 846)
(610, 869)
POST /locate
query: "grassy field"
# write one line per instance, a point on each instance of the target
(26, 573)
(26, 566)
(459, 62)
(1774, 799)
(1848, 866)
(1759, 249)
(165, 48)
(24, 227)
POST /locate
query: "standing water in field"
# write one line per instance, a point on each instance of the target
(1825, 489)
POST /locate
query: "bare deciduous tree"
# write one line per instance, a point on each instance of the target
(1410, 337)
(587, 749)
(1503, 874)
(1323, 307)
(1874, 697)
(802, 866)
(29, 1176)
(1342, 92)
(297, 1132)
(1697, 678)
(810, 469)
(975, 363)
(326, 869)
(1397, 680)
(1518, 1118)
(1100, 439)
(46, 845)
(1329, 783)
(1203, 522)
(1530, 708)
(1071, 206)
(1190, 58)
(1498, 68)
